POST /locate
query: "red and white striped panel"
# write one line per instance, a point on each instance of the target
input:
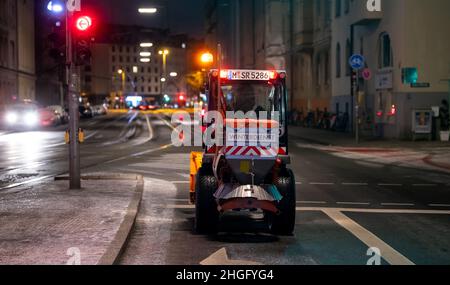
(250, 151)
(239, 150)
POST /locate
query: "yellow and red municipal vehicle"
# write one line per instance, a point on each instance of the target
(249, 170)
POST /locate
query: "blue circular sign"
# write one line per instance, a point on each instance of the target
(357, 61)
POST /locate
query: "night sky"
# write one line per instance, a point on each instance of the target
(183, 16)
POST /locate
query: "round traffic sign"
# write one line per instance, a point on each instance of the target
(83, 23)
(367, 74)
(356, 61)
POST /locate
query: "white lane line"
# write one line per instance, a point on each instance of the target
(439, 205)
(298, 183)
(139, 154)
(424, 185)
(150, 129)
(376, 211)
(355, 184)
(397, 204)
(354, 203)
(312, 202)
(180, 182)
(390, 184)
(10, 186)
(321, 183)
(387, 252)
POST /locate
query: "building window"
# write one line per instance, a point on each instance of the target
(120, 59)
(113, 48)
(385, 54)
(338, 60)
(338, 8)
(113, 58)
(149, 89)
(346, 6)
(327, 68)
(348, 51)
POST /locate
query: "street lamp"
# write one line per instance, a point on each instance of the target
(55, 6)
(173, 74)
(145, 54)
(146, 45)
(164, 53)
(207, 58)
(148, 10)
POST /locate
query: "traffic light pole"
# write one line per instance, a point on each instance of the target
(72, 96)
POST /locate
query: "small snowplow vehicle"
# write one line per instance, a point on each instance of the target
(248, 169)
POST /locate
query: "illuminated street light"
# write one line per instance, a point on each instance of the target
(146, 45)
(145, 59)
(173, 74)
(163, 79)
(148, 10)
(145, 54)
(207, 58)
(163, 52)
(135, 69)
(120, 71)
(55, 6)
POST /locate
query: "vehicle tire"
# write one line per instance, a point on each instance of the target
(284, 222)
(206, 213)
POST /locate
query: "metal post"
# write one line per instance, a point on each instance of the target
(357, 107)
(72, 93)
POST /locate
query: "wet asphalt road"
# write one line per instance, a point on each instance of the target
(344, 207)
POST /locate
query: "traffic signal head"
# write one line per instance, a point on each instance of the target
(83, 23)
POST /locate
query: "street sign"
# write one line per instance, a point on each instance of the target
(421, 85)
(73, 5)
(367, 74)
(357, 61)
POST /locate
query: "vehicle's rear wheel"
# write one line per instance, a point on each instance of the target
(206, 213)
(284, 222)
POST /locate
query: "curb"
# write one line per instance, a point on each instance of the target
(429, 160)
(118, 244)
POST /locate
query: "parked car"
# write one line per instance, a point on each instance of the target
(86, 112)
(60, 112)
(99, 110)
(48, 118)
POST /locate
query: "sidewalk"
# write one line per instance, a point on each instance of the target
(49, 224)
(433, 155)
(330, 138)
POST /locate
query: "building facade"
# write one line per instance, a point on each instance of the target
(17, 62)
(404, 34)
(128, 62)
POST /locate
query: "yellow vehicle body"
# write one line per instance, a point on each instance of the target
(195, 162)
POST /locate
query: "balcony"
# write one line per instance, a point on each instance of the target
(360, 15)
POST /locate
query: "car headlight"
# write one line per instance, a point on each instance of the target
(31, 119)
(11, 118)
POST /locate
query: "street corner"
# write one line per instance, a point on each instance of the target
(49, 224)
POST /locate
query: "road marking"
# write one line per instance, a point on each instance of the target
(376, 211)
(311, 202)
(10, 186)
(139, 153)
(355, 184)
(150, 129)
(180, 182)
(220, 257)
(321, 183)
(440, 205)
(354, 203)
(298, 183)
(390, 184)
(398, 204)
(387, 252)
(424, 185)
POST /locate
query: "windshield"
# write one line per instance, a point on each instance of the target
(245, 97)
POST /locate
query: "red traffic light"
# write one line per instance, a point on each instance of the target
(83, 23)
